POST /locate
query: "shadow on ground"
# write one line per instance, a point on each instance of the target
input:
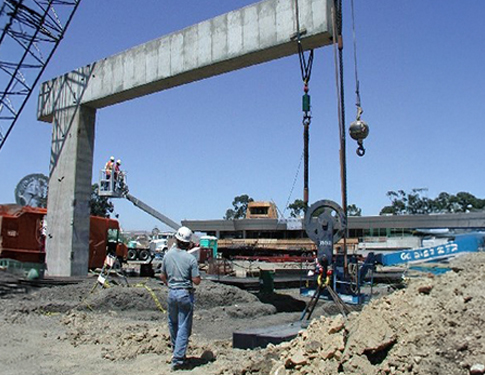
(282, 302)
(193, 362)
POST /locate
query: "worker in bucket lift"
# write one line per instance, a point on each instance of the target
(119, 176)
(180, 272)
(108, 168)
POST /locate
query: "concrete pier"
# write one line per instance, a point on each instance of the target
(67, 242)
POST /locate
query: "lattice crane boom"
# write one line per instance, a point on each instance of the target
(31, 32)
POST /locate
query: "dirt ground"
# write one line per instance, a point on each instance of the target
(434, 326)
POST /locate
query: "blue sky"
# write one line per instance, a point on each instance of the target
(190, 150)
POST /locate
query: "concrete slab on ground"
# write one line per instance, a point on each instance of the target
(261, 337)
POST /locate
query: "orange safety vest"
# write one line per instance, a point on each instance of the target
(108, 168)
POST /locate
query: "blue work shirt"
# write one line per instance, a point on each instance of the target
(180, 267)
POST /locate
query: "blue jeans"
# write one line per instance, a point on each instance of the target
(180, 313)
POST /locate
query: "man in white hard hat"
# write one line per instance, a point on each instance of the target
(180, 272)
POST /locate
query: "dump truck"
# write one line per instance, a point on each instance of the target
(23, 230)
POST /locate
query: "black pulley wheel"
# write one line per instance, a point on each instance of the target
(316, 218)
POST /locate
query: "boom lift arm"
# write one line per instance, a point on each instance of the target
(113, 186)
(151, 211)
(461, 243)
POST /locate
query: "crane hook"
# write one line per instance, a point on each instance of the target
(359, 130)
(360, 150)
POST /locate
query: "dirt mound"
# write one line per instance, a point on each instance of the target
(152, 296)
(122, 299)
(210, 294)
(432, 327)
(148, 295)
(56, 299)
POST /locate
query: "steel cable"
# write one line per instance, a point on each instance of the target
(339, 69)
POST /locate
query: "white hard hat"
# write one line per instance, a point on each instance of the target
(184, 234)
(118, 161)
(112, 158)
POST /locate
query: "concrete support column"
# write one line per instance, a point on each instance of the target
(67, 244)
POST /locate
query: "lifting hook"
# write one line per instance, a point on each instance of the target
(359, 130)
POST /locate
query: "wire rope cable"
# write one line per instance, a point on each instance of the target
(295, 179)
(306, 70)
(359, 130)
(357, 82)
(338, 63)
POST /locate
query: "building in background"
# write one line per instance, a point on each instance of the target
(258, 236)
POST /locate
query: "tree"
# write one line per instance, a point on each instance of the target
(398, 205)
(388, 210)
(418, 204)
(298, 208)
(229, 214)
(353, 210)
(240, 206)
(443, 203)
(100, 206)
(466, 202)
(461, 202)
(414, 203)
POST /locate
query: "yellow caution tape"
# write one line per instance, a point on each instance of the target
(155, 298)
(83, 302)
(152, 293)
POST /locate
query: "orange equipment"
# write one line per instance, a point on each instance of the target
(100, 244)
(21, 236)
(20, 233)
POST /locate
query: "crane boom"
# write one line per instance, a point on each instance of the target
(149, 210)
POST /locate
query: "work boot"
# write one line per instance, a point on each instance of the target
(178, 366)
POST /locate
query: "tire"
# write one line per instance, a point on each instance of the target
(131, 254)
(144, 255)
